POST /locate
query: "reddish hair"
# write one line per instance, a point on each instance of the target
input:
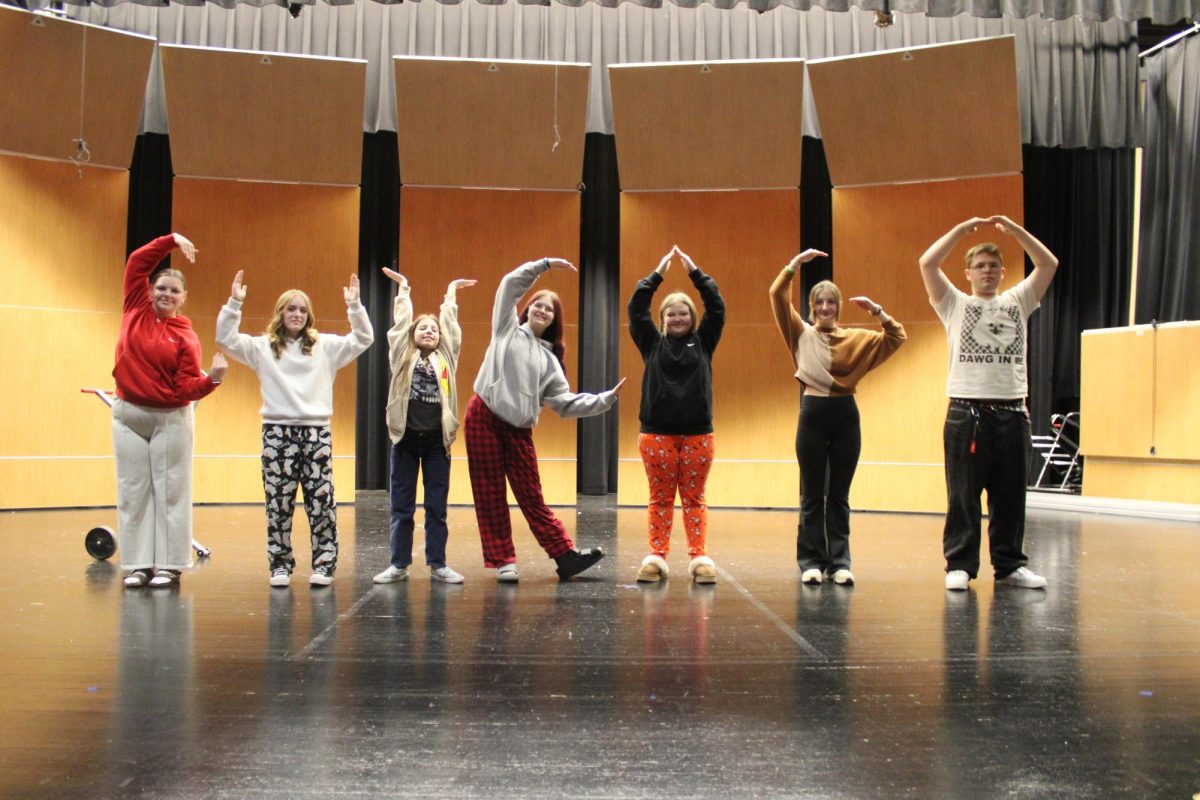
(554, 331)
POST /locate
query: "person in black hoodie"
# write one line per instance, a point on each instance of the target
(676, 438)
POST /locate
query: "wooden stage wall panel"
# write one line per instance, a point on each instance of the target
(473, 233)
(755, 396)
(62, 252)
(285, 236)
(879, 234)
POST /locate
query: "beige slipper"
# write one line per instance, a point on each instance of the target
(703, 570)
(654, 568)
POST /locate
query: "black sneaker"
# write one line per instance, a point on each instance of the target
(574, 562)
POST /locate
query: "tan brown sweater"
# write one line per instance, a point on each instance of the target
(834, 361)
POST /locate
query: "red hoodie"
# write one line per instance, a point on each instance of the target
(158, 360)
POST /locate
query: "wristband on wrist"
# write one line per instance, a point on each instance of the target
(789, 269)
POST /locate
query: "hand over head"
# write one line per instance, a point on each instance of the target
(351, 292)
(238, 290)
(186, 247)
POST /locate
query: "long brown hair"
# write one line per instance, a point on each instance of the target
(277, 336)
(554, 331)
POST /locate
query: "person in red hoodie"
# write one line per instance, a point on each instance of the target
(158, 377)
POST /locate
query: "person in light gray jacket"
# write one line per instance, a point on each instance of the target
(522, 371)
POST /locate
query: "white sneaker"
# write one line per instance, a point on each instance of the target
(957, 580)
(392, 575)
(507, 574)
(843, 577)
(812, 576)
(445, 575)
(280, 577)
(1022, 578)
(321, 577)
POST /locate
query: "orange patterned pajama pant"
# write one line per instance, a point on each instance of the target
(677, 464)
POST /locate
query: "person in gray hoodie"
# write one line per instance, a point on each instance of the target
(522, 371)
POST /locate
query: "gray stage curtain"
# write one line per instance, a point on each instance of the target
(1077, 79)
(1168, 278)
(1160, 11)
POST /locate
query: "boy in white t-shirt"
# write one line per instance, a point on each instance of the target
(986, 435)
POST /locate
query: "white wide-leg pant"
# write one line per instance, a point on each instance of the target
(153, 448)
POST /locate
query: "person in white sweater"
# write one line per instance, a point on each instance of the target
(521, 371)
(422, 420)
(296, 367)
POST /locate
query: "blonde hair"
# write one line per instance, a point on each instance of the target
(670, 300)
(986, 247)
(814, 293)
(276, 335)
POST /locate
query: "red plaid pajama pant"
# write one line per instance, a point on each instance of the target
(496, 451)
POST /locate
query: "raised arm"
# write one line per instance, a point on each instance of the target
(713, 322)
(893, 332)
(787, 319)
(641, 322)
(513, 287)
(1045, 263)
(448, 317)
(344, 349)
(239, 346)
(402, 313)
(936, 282)
(143, 261)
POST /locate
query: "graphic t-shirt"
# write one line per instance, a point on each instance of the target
(424, 400)
(988, 342)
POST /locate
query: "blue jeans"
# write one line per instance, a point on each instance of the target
(987, 448)
(419, 451)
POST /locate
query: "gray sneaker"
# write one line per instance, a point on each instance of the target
(280, 578)
(445, 575)
(392, 575)
(321, 577)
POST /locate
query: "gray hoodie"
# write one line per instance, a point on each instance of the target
(519, 372)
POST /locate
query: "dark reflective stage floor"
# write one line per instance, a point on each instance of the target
(757, 687)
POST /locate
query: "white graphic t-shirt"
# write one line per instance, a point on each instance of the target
(988, 342)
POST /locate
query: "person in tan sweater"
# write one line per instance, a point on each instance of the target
(830, 361)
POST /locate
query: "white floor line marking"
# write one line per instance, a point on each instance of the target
(320, 638)
(791, 632)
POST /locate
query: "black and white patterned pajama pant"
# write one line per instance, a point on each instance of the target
(299, 456)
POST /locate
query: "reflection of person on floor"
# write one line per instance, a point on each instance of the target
(986, 434)
(158, 376)
(296, 367)
(422, 419)
(830, 361)
(522, 370)
(676, 434)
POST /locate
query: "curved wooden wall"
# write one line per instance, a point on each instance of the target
(461, 233)
(741, 239)
(60, 310)
(285, 236)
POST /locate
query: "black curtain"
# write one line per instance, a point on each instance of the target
(150, 178)
(1168, 287)
(600, 311)
(1079, 203)
(378, 246)
(816, 217)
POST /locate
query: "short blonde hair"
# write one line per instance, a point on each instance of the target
(815, 292)
(670, 300)
(987, 247)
